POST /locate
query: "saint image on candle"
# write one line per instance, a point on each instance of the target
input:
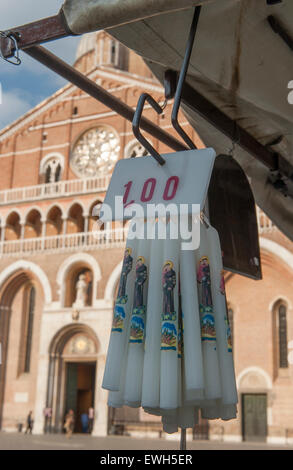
(141, 277)
(126, 268)
(169, 283)
(204, 278)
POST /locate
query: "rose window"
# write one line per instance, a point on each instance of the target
(96, 152)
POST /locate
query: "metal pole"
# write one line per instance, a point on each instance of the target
(182, 77)
(183, 439)
(84, 83)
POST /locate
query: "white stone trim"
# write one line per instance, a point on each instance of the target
(56, 204)
(112, 281)
(23, 265)
(257, 370)
(36, 149)
(285, 255)
(67, 264)
(73, 203)
(29, 209)
(21, 219)
(280, 298)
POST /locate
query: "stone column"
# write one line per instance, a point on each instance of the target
(22, 227)
(3, 229)
(101, 398)
(5, 313)
(43, 234)
(64, 220)
(41, 395)
(85, 238)
(86, 222)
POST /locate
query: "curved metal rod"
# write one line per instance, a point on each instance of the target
(182, 76)
(17, 60)
(136, 125)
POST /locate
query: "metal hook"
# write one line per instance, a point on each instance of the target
(136, 125)
(182, 77)
(15, 49)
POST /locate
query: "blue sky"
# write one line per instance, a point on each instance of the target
(26, 85)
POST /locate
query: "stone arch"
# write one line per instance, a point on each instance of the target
(54, 221)
(58, 363)
(132, 146)
(22, 266)
(93, 214)
(83, 258)
(279, 315)
(281, 252)
(33, 223)
(75, 217)
(13, 278)
(55, 204)
(16, 211)
(45, 162)
(73, 203)
(254, 378)
(62, 336)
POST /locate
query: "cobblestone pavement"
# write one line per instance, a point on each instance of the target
(10, 441)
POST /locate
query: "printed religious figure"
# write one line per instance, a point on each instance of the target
(169, 283)
(126, 268)
(204, 278)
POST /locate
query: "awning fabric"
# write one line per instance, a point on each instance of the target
(83, 16)
(238, 63)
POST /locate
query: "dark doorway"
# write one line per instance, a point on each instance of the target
(254, 417)
(80, 389)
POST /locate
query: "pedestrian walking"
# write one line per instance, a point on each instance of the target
(91, 415)
(69, 423)
(29, 423)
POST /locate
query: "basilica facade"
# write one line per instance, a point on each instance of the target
(59, 275)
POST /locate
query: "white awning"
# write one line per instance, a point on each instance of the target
(238, 63)
(83, 16)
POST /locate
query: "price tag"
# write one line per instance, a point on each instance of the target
(183, 180)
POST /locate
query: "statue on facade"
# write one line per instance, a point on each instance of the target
(81, 292)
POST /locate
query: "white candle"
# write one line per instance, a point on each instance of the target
(169, 325)
(122, 312)
(152, 355)
(208, 331)
(224, 346)
(194, 379)
(135, 359)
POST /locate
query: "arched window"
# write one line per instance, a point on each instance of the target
(283, 348)
(96, 152)
(51, 168)
(135, 149)
(280, 342)
(53, 171)
(29, 317)
(13, 227)
(33, 224)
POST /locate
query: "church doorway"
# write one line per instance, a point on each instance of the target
(72, 375)
(80, 390)
(254, 417)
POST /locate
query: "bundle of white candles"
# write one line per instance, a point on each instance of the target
(170, 348)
